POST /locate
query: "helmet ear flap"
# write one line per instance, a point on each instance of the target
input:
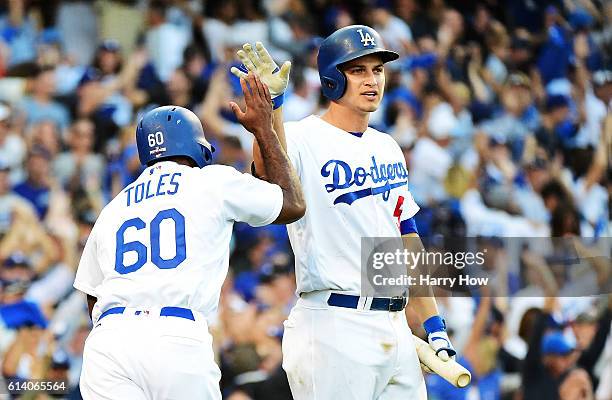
(341, 83)
(329, 83)
(333, 84)
(207, 155)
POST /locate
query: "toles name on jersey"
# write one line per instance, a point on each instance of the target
(158, 185)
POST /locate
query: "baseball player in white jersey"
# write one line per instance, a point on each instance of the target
(338, 344)
(158, 254)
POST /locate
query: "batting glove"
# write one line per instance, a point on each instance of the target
(260, 62)
(438, 338)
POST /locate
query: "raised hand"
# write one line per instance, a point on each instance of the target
(261, 63)
(258, 114)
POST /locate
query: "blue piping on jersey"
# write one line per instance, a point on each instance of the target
(349, 198)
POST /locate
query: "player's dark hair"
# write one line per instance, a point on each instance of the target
(177, 159)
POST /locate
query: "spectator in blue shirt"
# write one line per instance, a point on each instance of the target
(554, 58)
(36, 188)
(40, 105)
(100, 93)
(18, 31)
(514, 121)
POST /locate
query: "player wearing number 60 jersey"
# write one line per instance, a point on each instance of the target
(157, 256)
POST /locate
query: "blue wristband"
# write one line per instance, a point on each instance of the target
(408, 226)
(434, 324)
(278, 101)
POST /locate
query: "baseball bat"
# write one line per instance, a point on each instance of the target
(450, 370)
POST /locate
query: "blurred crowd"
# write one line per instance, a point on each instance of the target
(501, 107)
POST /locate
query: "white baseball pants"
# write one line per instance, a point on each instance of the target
(333, 353)
(150, 357)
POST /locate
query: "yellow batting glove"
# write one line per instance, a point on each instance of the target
(260, 62)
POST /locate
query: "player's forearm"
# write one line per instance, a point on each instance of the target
(422, 300)
(280, 133)
(424, 307)
(259, 169)
(279, 128)
(278, 170)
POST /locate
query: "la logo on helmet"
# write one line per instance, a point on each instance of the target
(366, 38)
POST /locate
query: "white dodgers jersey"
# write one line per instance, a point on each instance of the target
(354, 187)
(164, 240)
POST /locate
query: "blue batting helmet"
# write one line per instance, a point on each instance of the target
(172, 131)
(345, 45)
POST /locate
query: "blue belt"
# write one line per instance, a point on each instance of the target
(392, 304)
(164, 312)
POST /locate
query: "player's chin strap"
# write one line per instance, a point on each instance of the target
(438, 338)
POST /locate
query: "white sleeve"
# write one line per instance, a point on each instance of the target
(251, 200)
(410, 207)
(89, 274)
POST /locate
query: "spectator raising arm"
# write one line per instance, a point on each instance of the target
(591, 354)
(92, 94)
(213, 101)
(470, 351)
